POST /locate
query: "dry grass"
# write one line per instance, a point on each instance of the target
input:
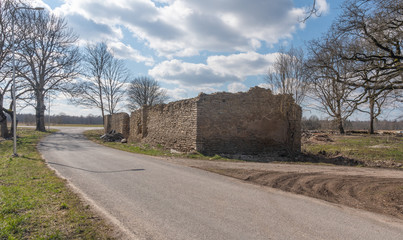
(362, 147)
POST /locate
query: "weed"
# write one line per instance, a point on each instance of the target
(63, 206)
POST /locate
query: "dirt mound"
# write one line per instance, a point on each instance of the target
(381, 195)
(308, 137)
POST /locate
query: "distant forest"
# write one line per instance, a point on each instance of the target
(29, 119)
(312, 123)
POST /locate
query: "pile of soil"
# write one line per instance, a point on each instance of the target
(380, 195)
(377, 190)
(315, 138)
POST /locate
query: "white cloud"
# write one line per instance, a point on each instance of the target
(91, 31)
(188, 74)
(242, 64)
(217, 71)
(322, 6)
(177, 93)
(184, 28)
(265, 85)
(127, 52)
(237, 87)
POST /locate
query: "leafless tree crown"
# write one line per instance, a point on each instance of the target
(372, 31)
(48, 55)
(287, 75)
(103, 81)
(145, 91)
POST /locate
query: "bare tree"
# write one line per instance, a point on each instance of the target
(312, 11)
(376, 97)
(5, 56)
(288, 76)
(8, 14)
(373, 31)
(103, 80)
(49, 57)
(116, 76)
(145, 91)
(96, 59)
(328, 74)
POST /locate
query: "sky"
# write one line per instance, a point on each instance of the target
(192, 46)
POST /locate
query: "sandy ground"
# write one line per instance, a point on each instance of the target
(371, 189)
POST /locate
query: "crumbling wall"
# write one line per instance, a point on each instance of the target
(138, 125)
(171, 125)
(107, 123)
(120, 122)
(221, 123)
(247, 123)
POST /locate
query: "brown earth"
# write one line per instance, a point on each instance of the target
(371, 189)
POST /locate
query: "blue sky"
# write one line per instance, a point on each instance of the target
(193, 46)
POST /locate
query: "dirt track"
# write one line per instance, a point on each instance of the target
(371, 189)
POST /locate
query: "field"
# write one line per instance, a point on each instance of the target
(35, 203)
(380, 150)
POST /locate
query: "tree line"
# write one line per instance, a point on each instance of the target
(42, 53)
(314, 123)
(357, 65)
(30, 119)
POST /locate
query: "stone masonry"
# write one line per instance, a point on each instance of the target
(253, 122)
(118, 122)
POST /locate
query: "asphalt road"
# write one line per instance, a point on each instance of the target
(150, 198)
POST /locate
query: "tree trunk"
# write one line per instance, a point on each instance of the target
(371, 116)
(4, 133)
(101, 100)
(3, 128)
(40, 112)
(10, 114)
(340, 125)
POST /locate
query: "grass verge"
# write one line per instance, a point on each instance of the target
(360, 147)
(94, 135)
(35, 203)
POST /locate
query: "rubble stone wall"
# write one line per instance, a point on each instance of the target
(171, 125)
(107, 123)
(253, 122)
(120, 122)
(248, 123)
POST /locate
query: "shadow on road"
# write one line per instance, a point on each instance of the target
(92, 171)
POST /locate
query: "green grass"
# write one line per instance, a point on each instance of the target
(147, 149)
(362, 147)
(35, 203)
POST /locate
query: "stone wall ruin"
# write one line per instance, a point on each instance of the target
(120, 122)
(252, 122)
